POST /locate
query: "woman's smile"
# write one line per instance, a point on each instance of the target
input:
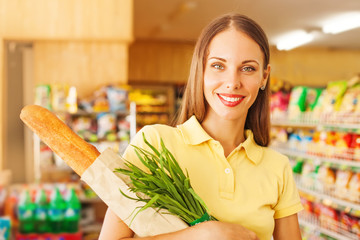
(230, 100)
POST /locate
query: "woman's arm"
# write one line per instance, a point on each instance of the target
(287, 227)
(115, 229)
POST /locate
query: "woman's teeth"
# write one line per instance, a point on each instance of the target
(231, 99)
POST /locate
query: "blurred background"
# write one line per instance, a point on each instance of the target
(109, 67)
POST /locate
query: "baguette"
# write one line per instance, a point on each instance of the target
(75, 151)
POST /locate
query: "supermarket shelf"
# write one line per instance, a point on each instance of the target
(333, 121)
(330, 199)
(296, 153)
(314, 225)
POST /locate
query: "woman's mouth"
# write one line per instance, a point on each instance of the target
(230, 100)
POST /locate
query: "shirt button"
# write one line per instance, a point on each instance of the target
(227, 170)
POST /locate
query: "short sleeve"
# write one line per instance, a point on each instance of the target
(289, 199)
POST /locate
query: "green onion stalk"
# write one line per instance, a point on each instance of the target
(165, 186)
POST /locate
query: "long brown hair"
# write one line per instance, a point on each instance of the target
(194, 103)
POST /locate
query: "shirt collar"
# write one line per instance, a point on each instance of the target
(194, 134)
(253, 151)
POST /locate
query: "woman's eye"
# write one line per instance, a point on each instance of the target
(248, 69)
(217, 66)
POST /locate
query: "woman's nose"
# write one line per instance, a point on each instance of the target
(233, 81)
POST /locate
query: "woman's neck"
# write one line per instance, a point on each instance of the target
(228, 132)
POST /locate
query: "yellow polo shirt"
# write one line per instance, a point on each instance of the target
(252, 186)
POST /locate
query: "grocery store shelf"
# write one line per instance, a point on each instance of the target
(333, 122)
(296, 153)
(330, 200)
(314, 225)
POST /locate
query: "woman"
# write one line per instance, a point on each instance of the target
(221, 141)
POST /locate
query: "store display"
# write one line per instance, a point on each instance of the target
(319, 131)
(5, 228)
(154, 104)
(41, 212)
(26, 213)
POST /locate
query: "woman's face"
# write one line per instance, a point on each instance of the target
(233, 74)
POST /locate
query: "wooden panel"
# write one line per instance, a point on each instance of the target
(64, 19)
(2, 104)
(315, 67)
(167, 62)
(85, 65)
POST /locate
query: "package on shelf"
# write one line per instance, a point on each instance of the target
(319, 214)
(5, 228)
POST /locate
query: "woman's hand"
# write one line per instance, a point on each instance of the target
(225, 231)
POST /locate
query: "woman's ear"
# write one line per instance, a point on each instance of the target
(266, 75)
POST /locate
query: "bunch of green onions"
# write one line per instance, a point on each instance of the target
(165, 186)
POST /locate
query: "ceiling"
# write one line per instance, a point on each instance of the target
(182, 20)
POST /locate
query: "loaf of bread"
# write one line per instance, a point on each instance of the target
(75, 151)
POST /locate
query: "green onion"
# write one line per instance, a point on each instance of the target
(165, 186)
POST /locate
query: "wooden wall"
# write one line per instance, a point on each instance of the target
(315, 66)
(170, 62)
(2, 104)
(85, 65)
(161, 62)
(79, 41)
(66, 19)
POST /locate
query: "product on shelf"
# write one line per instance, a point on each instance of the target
(297, 103)
(106, 126)
(326, 178)
(5, 228)
(59, 94)
(312, 97)
(85, 127)
(354, 188)
(342, 181)
(43, 95)
(26, 213)
(118, 98)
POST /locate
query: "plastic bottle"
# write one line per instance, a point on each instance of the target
(26, 210)
(72, 212)
(41, 212)
(56, 212)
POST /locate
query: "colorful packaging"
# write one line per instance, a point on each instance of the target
(71, 100)
(355, 147)
(354, 188)
(106, 126)
(325, 179)
(118, 98)
(59, 94)
(332, 99)
(5, 228)
(312, 97)
(297, 102)
(43, 96)
(343, 178)
(85, 128)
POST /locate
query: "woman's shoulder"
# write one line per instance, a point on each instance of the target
(160, 130)
(274, 157)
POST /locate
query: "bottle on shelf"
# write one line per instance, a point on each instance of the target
(26, 209)
(41, 212)
(56, 211)
(72, 212)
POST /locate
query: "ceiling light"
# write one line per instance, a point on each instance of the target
(294, 39)
(342, 23)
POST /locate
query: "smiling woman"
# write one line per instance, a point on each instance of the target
(220, 140)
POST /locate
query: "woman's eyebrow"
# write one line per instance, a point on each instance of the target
(243, 62)
(218, 58)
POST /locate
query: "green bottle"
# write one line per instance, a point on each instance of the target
(72, 212)
(26, 210)
(56, 212)
(41, 212)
